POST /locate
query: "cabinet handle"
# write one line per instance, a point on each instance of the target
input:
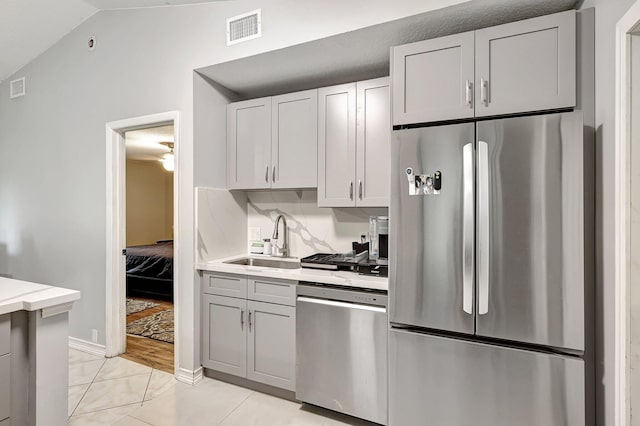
(249, 320)
(273, 176)
(266, 174)
(241, 319)
(351, 189)
(469, 93)
(360, 188)
(484, 91)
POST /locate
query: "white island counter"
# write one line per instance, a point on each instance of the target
(34, 348)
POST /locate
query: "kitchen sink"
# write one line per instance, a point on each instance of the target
(268, 263)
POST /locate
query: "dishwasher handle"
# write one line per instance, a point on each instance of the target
(341, 304)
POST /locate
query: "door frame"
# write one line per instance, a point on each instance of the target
(622, 178)
(116, 227)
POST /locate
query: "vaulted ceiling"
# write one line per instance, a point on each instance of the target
(30, 27)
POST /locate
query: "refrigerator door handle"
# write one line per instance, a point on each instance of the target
(468, 230)
(483, 228)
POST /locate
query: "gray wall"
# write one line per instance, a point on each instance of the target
(52, 141)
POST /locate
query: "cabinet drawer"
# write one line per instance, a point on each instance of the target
(5, 334)
(5, 386)
(271, 290)
(225, 285)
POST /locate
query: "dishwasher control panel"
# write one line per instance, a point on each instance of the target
(343, 294)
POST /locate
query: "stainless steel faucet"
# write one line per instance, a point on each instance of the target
(284, 250)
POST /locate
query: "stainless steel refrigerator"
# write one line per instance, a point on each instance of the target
(487, 273)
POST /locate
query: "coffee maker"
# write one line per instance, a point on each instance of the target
(382, 240)
(378, 248)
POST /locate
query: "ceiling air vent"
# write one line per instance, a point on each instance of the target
(244, 27)
(17, 88)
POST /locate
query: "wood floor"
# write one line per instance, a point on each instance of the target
(154, 353)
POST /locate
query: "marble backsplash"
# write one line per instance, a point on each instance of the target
(311, 229)
(221, 223)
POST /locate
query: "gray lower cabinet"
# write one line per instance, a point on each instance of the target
(523, 66)
(272, 344)
(254, 339)
(5, 368)
(354, 144)
(224, 344)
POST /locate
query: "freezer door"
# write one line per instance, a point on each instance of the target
(530, 230)
(446, 382)
(431, 235)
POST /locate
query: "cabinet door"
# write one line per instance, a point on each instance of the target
(336, 145)
(224, 341)
(249, 144)
(373, 143)
(528, 65)
(432, 80)
(294, 140)
(272, 344)
(5, 334)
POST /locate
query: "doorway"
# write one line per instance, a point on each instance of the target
(627, 220)
(149, 249)
(142, 217)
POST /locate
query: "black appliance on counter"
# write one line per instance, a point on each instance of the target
(345, 262)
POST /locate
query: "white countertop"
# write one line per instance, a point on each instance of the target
(16, 295)
(344, 278)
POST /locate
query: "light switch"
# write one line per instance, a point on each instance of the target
(255, 234)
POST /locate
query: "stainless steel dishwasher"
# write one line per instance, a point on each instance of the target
(341, 340)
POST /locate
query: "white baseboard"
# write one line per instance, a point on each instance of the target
(189, 377)
(88, 347)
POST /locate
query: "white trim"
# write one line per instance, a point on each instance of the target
(189, 377)
(115, 229)
(621, 217)
(88, 347)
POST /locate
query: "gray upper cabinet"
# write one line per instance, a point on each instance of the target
(294, 140)
(432, 79)
(528, 65)
(272, 142)
(522, 66)
(373, 148)
(249, 144)
(354, 133)
(336, 145)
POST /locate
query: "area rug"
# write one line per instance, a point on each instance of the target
(134, 305)
(158, 326)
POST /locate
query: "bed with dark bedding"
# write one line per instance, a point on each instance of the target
(150, 270)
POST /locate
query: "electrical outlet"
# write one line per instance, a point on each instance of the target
(94, 335)
(255, 234)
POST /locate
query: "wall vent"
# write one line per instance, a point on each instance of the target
(17, 88)
(244, 27)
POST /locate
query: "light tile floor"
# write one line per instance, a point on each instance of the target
(116, 391)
